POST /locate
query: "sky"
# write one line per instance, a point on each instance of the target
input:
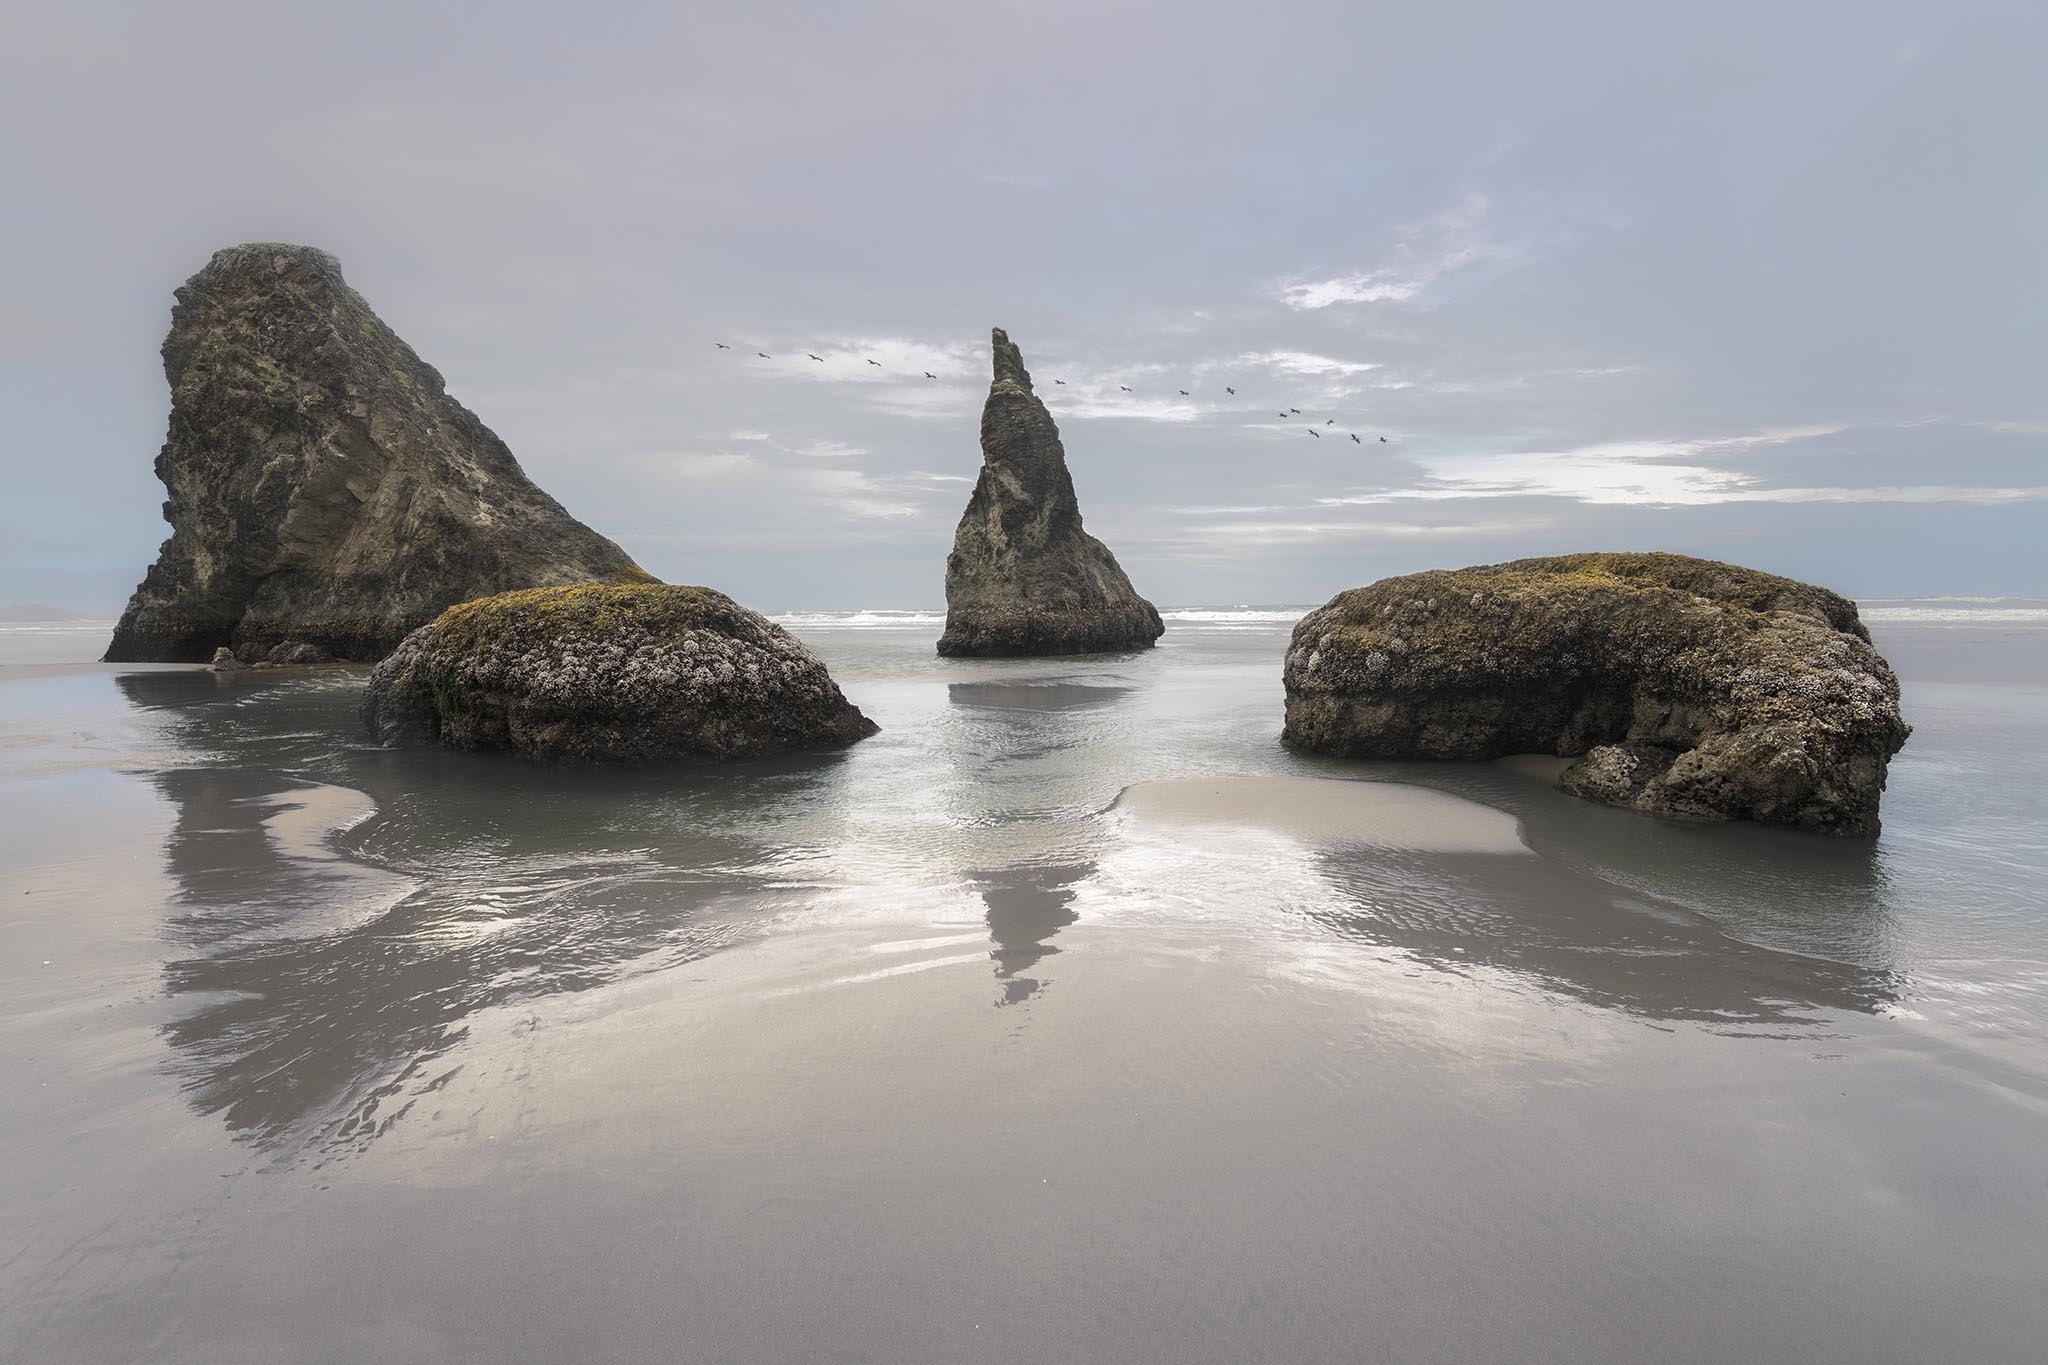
(1762, 282)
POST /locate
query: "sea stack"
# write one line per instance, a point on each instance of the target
(1684, 687)
(1024, 579)
(326, 494)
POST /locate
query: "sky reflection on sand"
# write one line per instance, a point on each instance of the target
(333, 972)
(989, 1061)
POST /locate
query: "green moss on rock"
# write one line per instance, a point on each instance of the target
(1690, 686)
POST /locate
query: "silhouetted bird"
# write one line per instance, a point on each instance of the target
(929, 375)
(764, 355)
(1283, 416)
(1295, 411)
(721, 346)
(1228, 389)
(1354, 439)
(1125, 387)
(876, 363)
(1059, 381)
(1383, 440)
(1317, 434)
(820, 359)
(1329, 421)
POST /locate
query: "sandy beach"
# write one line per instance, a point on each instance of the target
(1001, 1038)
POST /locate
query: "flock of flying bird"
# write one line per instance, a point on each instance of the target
(1296, 412)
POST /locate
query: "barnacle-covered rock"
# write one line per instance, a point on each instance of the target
(608, 674)
(1683, 686)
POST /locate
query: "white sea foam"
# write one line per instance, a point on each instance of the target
(1956, 610)
(1235, 616)
(887, 619)
(877, 619)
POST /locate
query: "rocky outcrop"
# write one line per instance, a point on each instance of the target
(325, 491)
(1024, 578)
(1684, 686)
(601, 674)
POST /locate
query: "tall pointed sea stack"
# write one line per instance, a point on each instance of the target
(326, 494)
(1024, 578)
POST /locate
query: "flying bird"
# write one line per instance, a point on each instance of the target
(1354, 439)
(764, 355)
(1228, 389)
(1317, 434)
(876, 363)
(1383, 440)
(1295, 411)
(1059, 381)
(929, 375)
(721, 346)
(1283, 416)
(1125, 387)
(1329, 421)
(820, 359)
(1183, 393)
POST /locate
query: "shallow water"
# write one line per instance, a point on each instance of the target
(1020, 1030)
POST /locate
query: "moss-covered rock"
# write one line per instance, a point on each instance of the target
(1684, 686)
(609, 674)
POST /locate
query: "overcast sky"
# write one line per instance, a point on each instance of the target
(1757, 281)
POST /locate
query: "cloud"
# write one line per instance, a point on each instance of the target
(1424, 253)
(1123, 407)
(894, 360)
(1662, 473)
(1306, 363)
(1229, 534)
(855, 493)
(721, 462)
(829, 450)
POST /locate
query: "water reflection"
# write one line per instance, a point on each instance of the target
(1036, 694)
(1584, 902)
(1817, 898)
(1555, 927)
(1007, 740)
(329, 972)
(1027, 906)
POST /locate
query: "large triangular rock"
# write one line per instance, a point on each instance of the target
(326, 494)
(1024, 578)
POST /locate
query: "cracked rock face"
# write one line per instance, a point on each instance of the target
(1024, 578)
(609, 674)
(325, 492)
(1683, 686)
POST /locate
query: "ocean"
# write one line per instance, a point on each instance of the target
(1071, 1017)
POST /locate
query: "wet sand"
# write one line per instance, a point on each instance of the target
(1321, 810)
(1001, 1040)
(826, 1146)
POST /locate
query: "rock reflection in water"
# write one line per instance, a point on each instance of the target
(1027, 906)
(1006, 739)
(328, 982)
(1572, 934)
(1036, 694)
